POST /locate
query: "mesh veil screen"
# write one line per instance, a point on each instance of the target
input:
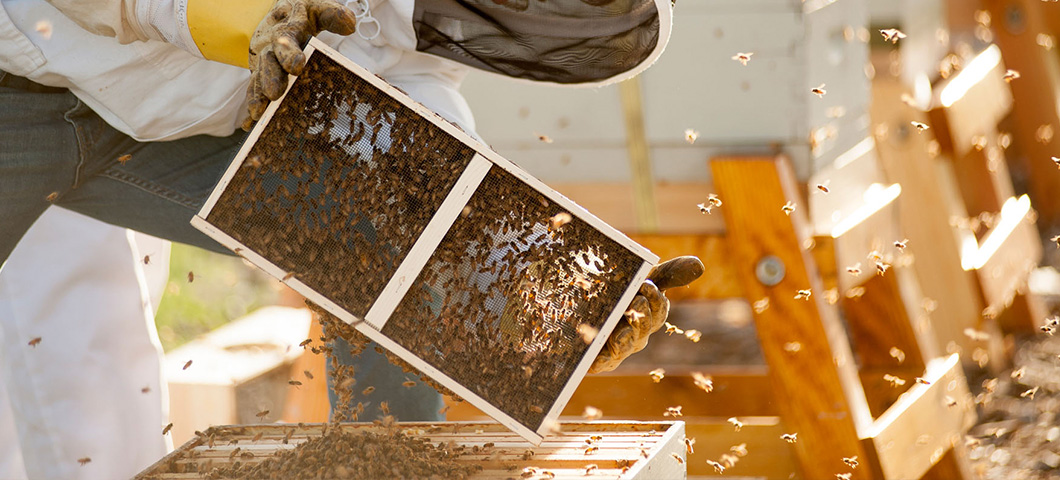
(340, 184)
(502, 305)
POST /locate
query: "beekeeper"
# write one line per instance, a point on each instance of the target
(125, 110)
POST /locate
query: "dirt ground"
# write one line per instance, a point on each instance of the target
(1018, 435)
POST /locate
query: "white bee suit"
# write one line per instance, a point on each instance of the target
(92, 387)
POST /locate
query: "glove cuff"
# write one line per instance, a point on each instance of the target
(222, 29)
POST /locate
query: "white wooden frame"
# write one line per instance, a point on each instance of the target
(416, 258)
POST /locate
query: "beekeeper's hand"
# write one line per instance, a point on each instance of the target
(647, 312)
(276, 46)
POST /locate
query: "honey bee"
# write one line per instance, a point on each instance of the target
(892, 35)
(789, 437)
(262, 414)
(590, 468)
(736, 423)
(384, 407)
(307, 374)
(893, 380)
(1044, 134)
(855, 269)
(84, 461)
(591, 449)
(672, 411)
(922, 381)
(1011, 75)
(124, 158)
(52, 197)
(294, 383)
(976, 335)
(950, 401)
(536, 409)
(704, 208)
(147, 259)
(592, 413)
(672, 329)
(558, 220)
(657, 375)
(761, 305)
(677, 457)
(819, 91)
(34, 342)
(843, 476)
(587, 332)
(167, 429)
(691, 136)
(739, 450)
(718, 467)
(408, 384)
(544, 138)
(920, 127)
(305, 342)
(703, 382)
(145, 390)
(287, 277)
(901, 244)
(1029, 393)
(257, 436)
(898, 354)
(689, 445)
(788, 208)
(743, 58)
(1045, 41)
(792, 347)
(851, 462)
(693, 335)
(186, 365)
(1056, 161)
(253, 162)
(881, 267)
(803, 294)
(191, 277)
(235, 452)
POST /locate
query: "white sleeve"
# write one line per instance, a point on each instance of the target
(133, 20)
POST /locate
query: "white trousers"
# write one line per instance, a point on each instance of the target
(92, 387)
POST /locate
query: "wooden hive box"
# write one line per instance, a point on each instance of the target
(427, 241)
(626, 450)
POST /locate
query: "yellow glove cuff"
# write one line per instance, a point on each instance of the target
(222, 28)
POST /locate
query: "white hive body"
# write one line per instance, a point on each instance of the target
(427, 241)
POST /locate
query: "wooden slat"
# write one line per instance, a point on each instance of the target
(916, 432)
(924, 217)
(971, 102)
(879, 321)
(629, 93)
(1017, 24)
(675, 203)
(1006, 257)
(820, 397)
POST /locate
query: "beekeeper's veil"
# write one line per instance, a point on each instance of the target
(588, 42)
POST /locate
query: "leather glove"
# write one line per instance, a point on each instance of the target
(276, 46)
(647, 312)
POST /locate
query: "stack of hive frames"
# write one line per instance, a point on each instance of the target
(624, 450)
(427, 241)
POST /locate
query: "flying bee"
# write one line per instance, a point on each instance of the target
(84, 460)
(294, 383)
(1056, 161)
(191, 276)
(145, 390)
(743, 58)
(851, 462)
(592, 413)
(693, 335)
(587, 332)
(718, 467)
(677, 457)
(703, 382)
(672, 411)
(922, 381)
(544, 138)
(736, 423)
(881, 267)
(920, 127)
(855, 269)
(124, 158)
(706, 209)
(591, 449)
(558, 220)
(186, 365)
(803, 294)
(672, 329)
(1029, 393)
(892, 35)
(788, 208)
(789, 437)
(893, 380)
(1011, 75)
(689, 445)
(819, 91)
(823, 187)
(307, 374)
(897, 354)
(262, 414)
(657, 375)
(408, 384)
(691, 136)
(901, 244)
(305, 342)
(147, 259)
(844, 476)
(52, 197)
(34, 342)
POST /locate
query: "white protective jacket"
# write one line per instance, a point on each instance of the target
(135, 62)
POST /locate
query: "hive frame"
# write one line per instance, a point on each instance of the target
(425, 245)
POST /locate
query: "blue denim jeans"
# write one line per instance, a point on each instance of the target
(54, 150)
